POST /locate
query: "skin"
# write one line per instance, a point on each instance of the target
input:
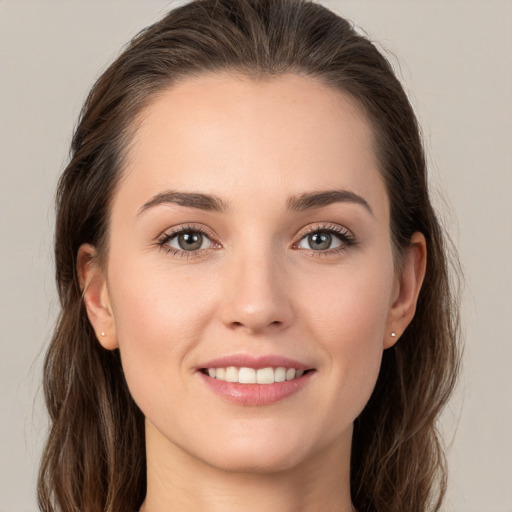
(257, 288)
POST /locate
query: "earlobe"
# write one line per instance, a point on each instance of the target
(93, 283)
(407, 290)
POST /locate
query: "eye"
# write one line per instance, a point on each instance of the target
(327, 239)
(186, 240)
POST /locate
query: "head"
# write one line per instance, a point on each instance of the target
(301, 52)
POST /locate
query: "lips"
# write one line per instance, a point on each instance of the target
(248, 380)
(256, 362)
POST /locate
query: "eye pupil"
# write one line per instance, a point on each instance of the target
(190, 241)
(320, 240)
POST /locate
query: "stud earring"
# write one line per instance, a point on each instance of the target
(393, 334)
(102, 333)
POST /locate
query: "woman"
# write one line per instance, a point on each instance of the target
(256, 310)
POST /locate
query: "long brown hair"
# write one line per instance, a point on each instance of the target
(94, 458)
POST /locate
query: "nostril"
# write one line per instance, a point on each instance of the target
(276, 323)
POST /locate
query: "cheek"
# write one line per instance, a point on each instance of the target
(348, 317)
(350, 304)
(158, 306)
(159, 321)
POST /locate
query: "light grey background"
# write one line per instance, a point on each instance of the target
(455, 60)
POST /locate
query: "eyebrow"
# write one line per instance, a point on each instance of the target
(189, 199)
(318, 199)
(207, 202)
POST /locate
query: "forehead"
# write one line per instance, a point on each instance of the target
(237, 137)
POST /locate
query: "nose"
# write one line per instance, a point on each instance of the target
(256, 298)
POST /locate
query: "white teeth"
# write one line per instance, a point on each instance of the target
(251, 376)
(280, 374)
(231, 374)
(247, 376)
(265, 376)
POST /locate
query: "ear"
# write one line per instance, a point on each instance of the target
(93, 284)
(407, 288)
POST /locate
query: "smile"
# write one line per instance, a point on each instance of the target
(244, 375)
(249, 380)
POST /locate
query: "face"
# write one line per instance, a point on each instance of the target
(250, 230)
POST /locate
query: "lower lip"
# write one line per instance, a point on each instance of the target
(256, 394)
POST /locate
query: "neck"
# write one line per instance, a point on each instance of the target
(180, 482)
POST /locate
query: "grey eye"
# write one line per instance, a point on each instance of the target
(320, 241)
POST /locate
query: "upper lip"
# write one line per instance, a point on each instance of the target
(256, 362)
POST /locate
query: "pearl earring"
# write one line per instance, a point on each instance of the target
(102, 333)
(393, 334)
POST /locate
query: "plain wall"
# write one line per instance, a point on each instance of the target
(455, 58)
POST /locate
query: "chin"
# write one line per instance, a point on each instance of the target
(256, 460)
(257, 451)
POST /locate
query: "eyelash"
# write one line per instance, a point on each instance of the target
(344, 235)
